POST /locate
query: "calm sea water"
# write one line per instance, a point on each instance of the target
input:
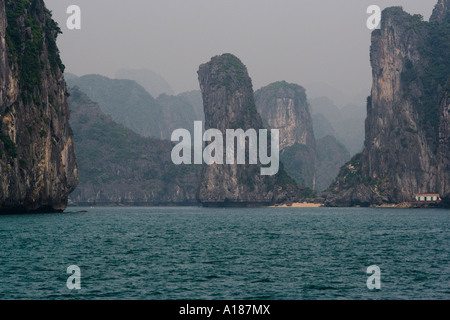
(238, 254)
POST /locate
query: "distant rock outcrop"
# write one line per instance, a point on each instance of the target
(38, 167)
(347, 122)
(322, 127)
(331, 156)
(284, 106)
(119, 167)
(229, 104)
(154, 83)
(194, 98)
(407, 137)
(176, 113)
(313, 161)
(132, 106)
(125, 101)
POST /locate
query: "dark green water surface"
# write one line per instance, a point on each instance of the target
(238, 254)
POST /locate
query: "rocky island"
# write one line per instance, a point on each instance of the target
(38, 167)
(229, 103)
(407, 127)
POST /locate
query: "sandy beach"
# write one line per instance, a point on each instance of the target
(299, 205)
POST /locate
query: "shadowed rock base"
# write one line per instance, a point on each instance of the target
(27, 210)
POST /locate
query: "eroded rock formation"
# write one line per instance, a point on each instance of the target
(284, 106)
(407, 137)
(38, 167)
(229, 104)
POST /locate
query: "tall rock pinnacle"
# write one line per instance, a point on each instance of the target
(229, 104)
(38, 168)
(407, 136)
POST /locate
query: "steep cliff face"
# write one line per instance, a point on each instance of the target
(37, 162)
(119, 167)
(284, 106)
(406, 127)
(229, 104)
(444, 147)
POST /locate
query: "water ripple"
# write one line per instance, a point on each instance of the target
(196, 253)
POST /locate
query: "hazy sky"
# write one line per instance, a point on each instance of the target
(301, 41)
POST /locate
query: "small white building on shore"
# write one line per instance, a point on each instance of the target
(427, 197)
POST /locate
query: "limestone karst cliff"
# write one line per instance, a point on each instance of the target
(284, 106)
(313, 161)
(407, 137)
(443, 156)
(229, 104)
(38, 167)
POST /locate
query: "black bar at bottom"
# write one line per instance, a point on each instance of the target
(232, 309)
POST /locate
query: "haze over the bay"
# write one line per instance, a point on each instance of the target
(303, 41)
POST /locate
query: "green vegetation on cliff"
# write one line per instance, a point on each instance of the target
(233, 67)
(8, 144)
(232, 74)
(38, 167)
(26, 39)
(436, 46)
(351, 176)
